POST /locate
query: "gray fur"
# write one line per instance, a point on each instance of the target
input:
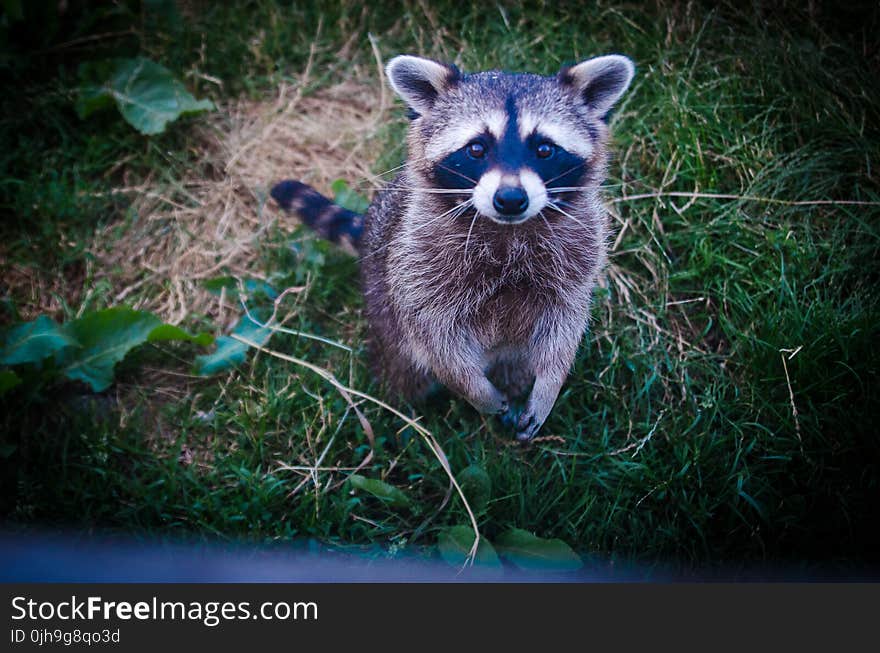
(515, 305)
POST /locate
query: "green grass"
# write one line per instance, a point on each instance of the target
(676, 436)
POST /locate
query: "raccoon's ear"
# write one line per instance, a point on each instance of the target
(420, 81)
(600, 81)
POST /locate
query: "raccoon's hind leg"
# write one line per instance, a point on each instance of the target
(410, 381)
(394, 367)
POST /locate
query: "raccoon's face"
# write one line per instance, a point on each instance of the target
(515, 142)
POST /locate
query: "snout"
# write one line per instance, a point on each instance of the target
(510, 201)
(509, 198)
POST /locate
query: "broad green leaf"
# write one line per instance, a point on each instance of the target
(149, 97)
(93, 95)
(7, 449)
(528, 551)
(454, 545)
(347, 198)
(252, 287)
(476, 485)
(165, 332)
(8, 380)
(146, 93)
(231, 352)
(388, 493)
(35, 341)
(107, 336)
(92, 99)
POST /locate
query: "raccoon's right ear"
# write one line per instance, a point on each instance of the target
(420, 81)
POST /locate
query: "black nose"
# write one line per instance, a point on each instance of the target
(510, 200)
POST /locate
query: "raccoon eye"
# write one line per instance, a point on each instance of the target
(545, 150)
(476, 150)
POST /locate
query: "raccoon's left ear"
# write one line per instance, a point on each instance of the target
(600, 81)
(420, 81)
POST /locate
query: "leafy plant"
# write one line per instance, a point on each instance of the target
(231, 352)
(391, 495)
(476, 485)
(86, 349)
(528, 551)
(33, 341)
(454, 545)
(523, 549)
(234, 285)
(146, 93)
(348, 198)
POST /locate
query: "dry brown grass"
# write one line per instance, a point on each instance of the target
(212, 222)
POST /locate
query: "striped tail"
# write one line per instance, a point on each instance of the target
(329, 220)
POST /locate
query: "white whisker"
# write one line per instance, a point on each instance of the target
(560, 176)
(439, 191)
(568, 189)
(468, 239)
(420, 189)
(401, 166)
(456, 172)
(565, 213)
(551, 241)
(458, 209)
(547, 222)
(394, 169)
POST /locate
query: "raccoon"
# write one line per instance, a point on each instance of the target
(478, 261)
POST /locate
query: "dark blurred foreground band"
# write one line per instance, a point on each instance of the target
(66, 557)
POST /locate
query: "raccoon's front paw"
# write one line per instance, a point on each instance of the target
(511, 418)
(528, 425)
(538, 407)
(498, 406)
(494, 403)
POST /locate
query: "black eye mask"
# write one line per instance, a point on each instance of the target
(461, 170)
(561, 169)
(510, 154)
